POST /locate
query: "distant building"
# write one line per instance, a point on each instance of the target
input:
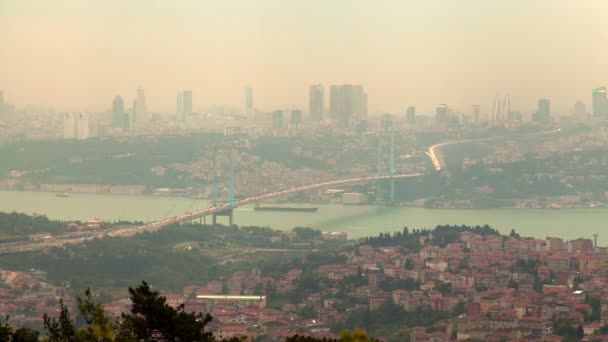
(347, 103)
(277, 119)
(183, 104)
(441, 113)
(1, 101)
(476, 113)
(120, 119)
(600, 102)
(296, 118)
(315, 102)
(179, 106)
(410, 115)
(543, 114)
(187, 102)
(140, 108)
(501, 109)
(248, 101)
(579, 108)
(386, 122)
(75, 126)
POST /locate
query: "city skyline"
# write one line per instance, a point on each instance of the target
(108, 47)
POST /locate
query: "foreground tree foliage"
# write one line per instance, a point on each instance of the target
(150, 319)
(358, 335)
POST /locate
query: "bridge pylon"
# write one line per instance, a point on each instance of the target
(386, 157)
(220, 152)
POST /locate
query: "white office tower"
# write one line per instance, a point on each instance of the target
(501, 109)
(69, 126)
(140, 109)
(75, 126)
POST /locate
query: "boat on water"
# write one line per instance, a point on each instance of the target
(291, 209)
(63, 194)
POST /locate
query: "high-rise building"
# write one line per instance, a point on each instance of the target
(501, 109)
(296, 118)
(543, 114)
(315, 102)
(277, 119)
(187, 102)
(179, 106)
(334, 96)
(140, 108)
(441, 113)
(1, 101)
(75, 126)
(600, 102)
(346, 103)
(82, 126)
(476, 113)
(118, 113)
(579, 108)
(410, 115)
(248, 101)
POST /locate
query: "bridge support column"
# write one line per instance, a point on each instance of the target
(228, 212)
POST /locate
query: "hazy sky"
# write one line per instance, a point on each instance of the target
(78, 54)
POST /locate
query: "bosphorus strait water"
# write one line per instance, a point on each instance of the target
(356, 220)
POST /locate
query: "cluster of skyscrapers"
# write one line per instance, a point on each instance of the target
(347, 103)
(347, 106)
(128, 119)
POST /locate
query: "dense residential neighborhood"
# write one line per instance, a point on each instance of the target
(450, 283)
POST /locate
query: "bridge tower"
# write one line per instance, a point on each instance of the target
(386, 154)
(222, 155)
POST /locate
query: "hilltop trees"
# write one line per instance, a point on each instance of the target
(150, 319)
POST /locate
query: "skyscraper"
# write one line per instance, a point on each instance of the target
(600, 103)
(248, 101)
(410, 115)
(187, 102)
(315, 102)
(347, 102)
(579, 108)
(179, 106)
(118, 112)
(82, 126)
(476, 113)
(277, 119)
(543, 114)
(441, 114)
(140, 108)
(501, 109)
(75, 126)
(334, 99)
(296, 118)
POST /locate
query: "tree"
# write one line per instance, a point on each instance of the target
(20, 335)
(152, 319)
(99, 327)
(25, 335)
(580, 331)
(60, 329)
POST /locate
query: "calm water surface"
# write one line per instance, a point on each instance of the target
(357, 221)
